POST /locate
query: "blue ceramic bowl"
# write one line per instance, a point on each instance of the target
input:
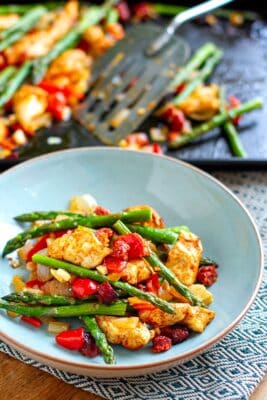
(182, 194)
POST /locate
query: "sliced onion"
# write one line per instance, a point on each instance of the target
(57, 327)
(43, 273)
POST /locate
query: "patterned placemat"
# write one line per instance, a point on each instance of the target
(231, 369)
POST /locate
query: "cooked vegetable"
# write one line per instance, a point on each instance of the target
(231, 132)
(165, 272)
(44, 299)
(118, 308)
(91, 17)
(5, 75)
(45, 215)
(93, 221)
(100, 339)
(15, 82)
(203, 74)
(86, 273)
(155, 234)
(216, 121)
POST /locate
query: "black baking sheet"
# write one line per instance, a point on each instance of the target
(243, 72)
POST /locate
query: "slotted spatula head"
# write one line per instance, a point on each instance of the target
(127, 85)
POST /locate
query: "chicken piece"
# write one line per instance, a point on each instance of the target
(202, 104)
(156, 222)
(71, 70)
(198, 318)
(84, 204)
(38, 43)
(80, 247)
(30, 104)
(136, 271)
(159, 318)
(6, 21)
(184, 257)
(130, 332)
(97, 42)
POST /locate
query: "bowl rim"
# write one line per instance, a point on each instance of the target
(170, 360)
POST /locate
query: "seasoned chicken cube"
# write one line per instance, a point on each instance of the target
(130, 332)
(184, 257)
(30, 104)
(80, 247)
(159, 318)
(200, 291)
(157, 220)
(136, 271)
(198, 318)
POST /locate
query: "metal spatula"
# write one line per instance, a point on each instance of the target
(131, 78)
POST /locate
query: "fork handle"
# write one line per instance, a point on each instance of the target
(177, 21)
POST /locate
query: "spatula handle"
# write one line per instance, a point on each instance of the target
(177, 21)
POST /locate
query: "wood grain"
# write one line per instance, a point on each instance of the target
(19, 381)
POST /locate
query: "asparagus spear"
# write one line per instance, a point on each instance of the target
(204, 73)
(24, 23)
(5, 75)
(112, 16)
(178, 229)
(23, 8)
(44, 215)
(231, 132)
(155, 234)
(100, 339)
(165, 272)
(118, 308)
(92, 221)
(44, 299)
(15, 82)
(207, 261)
(218, 120)
(87, 273)
(194, 63)
(91, 17)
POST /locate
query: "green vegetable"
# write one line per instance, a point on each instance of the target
(25, 23)
(92, 221)
(203, 74)
(91, 17)
(45, 215)
(87, 273)
(231, 132)
(44, 299)
(118, 308)
(5, 75)
(198, 58)
(178, 229)
(100, 339)
(216, 121)
(164, 271)
(155, 234)
(112, 16)
(23, 8)
(15, 82)
(207, 261)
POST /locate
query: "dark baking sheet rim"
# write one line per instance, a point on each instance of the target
(205, 163)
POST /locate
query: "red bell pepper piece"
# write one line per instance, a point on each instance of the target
(84, 287)
(99, 210)
(33, 283)
(36, 322)
(143, 11)
(124, 11)
(235, 102)
(73, 339)
(56, 105)
(153, 283)
(137, 245)
(58, 234)
(114, 264)
(39, 245)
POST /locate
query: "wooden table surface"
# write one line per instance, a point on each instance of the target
(19, 381)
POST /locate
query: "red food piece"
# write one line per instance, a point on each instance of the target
(106, 293)
(60, 233)
(73, 339)
(120, 249)
(101, 211)
(124, 11)
(234, 103)
(175, 118)
(89, 347)
(36, 322)
(138, 247)
(143, 11)
(161, 343)
(84, 287)
(56, 105)
(153, 283)
(177, 333)
(35, 283)
(172, 136)
(114, 264)
(152, 148)
(104, 233)
(180, 88)
(139, 138)
(207, 275)
(39, 245)
(51, 87)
